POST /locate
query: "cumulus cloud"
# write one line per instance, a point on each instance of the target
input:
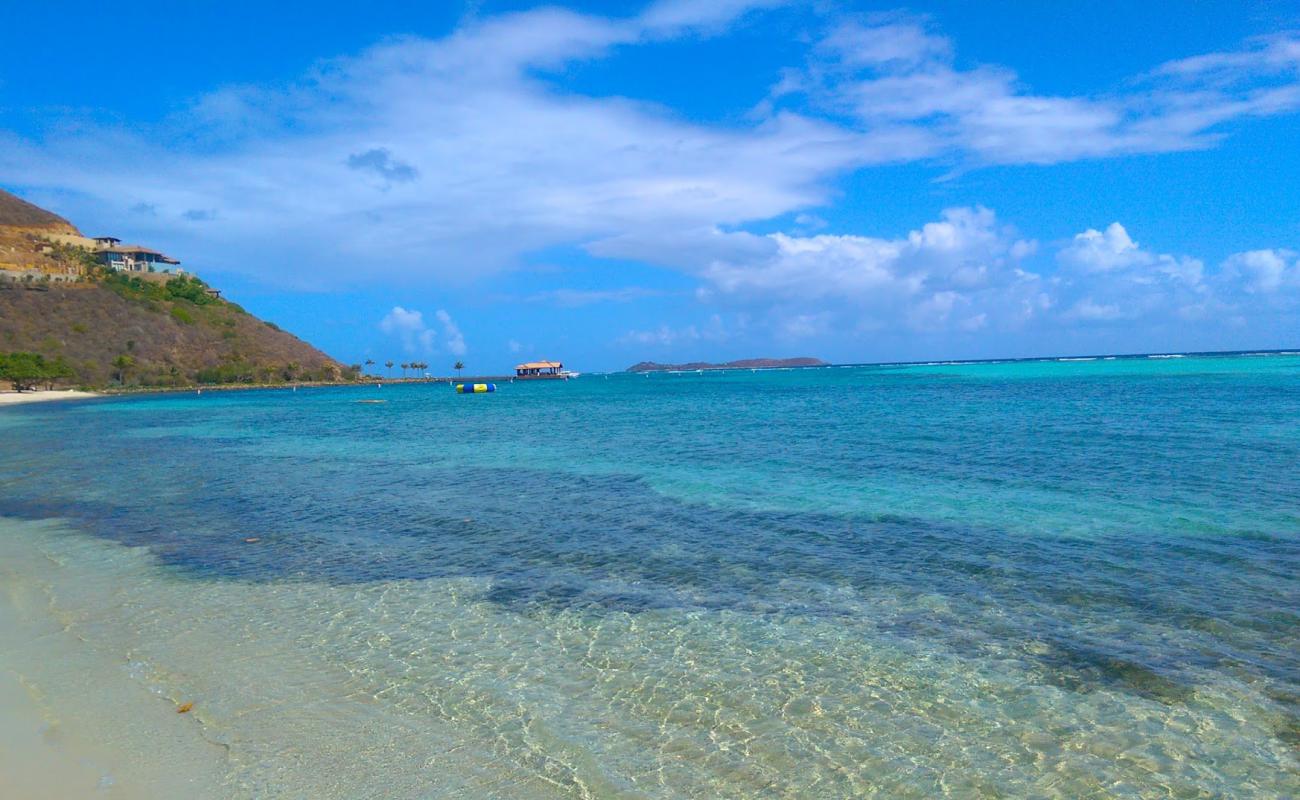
(1263, 272)
(1107, 276)
(455, 341)
(420, 338)
(963, 274)
(955, 273)
(1115, 251)
(409, 327)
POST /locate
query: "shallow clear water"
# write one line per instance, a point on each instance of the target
(1047, 578)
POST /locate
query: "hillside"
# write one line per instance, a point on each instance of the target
(16, 212)
(23, 243)
(168, 342)
(98, 327)
(746, 363)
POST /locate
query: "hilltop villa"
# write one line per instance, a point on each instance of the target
(110, 252)
(31, 242)
(132, 257)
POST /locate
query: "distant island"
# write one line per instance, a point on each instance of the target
(746, 363)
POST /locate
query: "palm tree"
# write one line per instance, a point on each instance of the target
(389, 364)
(458, 366)
(123, 363)
(370, 362)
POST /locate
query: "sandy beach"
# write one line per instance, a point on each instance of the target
(15, 398)
(76, 721)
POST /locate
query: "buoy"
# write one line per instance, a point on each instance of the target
(475, 388)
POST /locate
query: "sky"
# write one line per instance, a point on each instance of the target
(606, 183)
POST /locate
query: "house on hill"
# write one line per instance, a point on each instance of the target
(32, 240)
(133, 257)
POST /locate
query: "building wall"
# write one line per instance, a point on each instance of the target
(37, 276)
(72, 239)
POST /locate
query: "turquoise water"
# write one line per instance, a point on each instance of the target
(1055, 578)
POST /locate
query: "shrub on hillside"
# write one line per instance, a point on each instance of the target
(29, 370)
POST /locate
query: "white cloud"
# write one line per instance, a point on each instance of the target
(416, 337)
(673, 16)
(1107, 276)
(897, 75)
(809, 222)
(962, 274)
(444, 159)
(804, 326)
(666, 336)
(451, 333)
(1114, 250)
(956, 273)
(451, 158)
(1260, 272)
(575, 298)
(1088, 310)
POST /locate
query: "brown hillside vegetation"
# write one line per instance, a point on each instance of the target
(22, 228)
(166, 342)
(94, 326)
(17, 212)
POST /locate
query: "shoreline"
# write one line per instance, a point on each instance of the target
(12, 398)
(249, 387)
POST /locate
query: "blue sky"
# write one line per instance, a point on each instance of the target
(607, 183)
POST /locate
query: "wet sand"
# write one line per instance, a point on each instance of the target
(73, 722)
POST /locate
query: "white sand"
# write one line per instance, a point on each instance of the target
(13, 398)
(73, 722)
